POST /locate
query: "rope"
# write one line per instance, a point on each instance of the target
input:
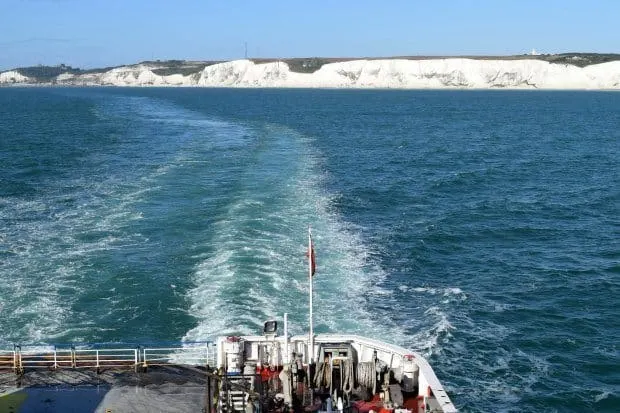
(323, 375)
(367, 375)
(285, 379)
(348, 379)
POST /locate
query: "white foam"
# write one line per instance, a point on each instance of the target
(48, 245)
(261, 256)
(602, 396)
(450, 294)
(428, 340)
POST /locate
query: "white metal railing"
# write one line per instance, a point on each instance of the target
(36, 359)
(191, 355)
(54, 358)
(7, 359)
(75, 358)
(105, 358)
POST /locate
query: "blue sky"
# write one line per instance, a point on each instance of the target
(94, 33)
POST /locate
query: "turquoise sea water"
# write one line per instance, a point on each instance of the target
(479, 228)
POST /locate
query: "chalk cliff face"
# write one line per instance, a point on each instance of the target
(388, 73)
(12, 77)
(138, 75)
(418, 74)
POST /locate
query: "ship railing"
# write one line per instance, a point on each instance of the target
(8, 359)
(68, 358)
(51, 357)
(204, 355)
(98, 358)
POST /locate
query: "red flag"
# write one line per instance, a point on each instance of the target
(310, 255)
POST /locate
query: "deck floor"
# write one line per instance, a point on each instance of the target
(162, 389)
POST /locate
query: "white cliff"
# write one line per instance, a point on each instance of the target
(387, 73)
(141, 75)
(12, 77)
(417, 74)
(135, 75)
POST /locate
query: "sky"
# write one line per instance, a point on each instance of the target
(101, 33)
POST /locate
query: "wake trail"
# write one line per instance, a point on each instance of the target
(256, 269)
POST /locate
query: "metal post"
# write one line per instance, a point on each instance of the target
(310, 266)
(135, 359)
(243, 398)
(208, 407)
(17, 358)
(286, 351)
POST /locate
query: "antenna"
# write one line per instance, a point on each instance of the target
(246, 49)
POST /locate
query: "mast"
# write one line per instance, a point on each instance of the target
(310, 274)
(285, 359)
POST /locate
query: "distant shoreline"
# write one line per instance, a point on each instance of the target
(580, 59)
(577, 71)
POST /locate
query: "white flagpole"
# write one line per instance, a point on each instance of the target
(311, 333)
(286, 353)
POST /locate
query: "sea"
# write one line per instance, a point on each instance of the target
(478, 228)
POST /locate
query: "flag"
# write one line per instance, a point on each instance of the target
(310, 255)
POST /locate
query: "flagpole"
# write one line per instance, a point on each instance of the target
(311, 333)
